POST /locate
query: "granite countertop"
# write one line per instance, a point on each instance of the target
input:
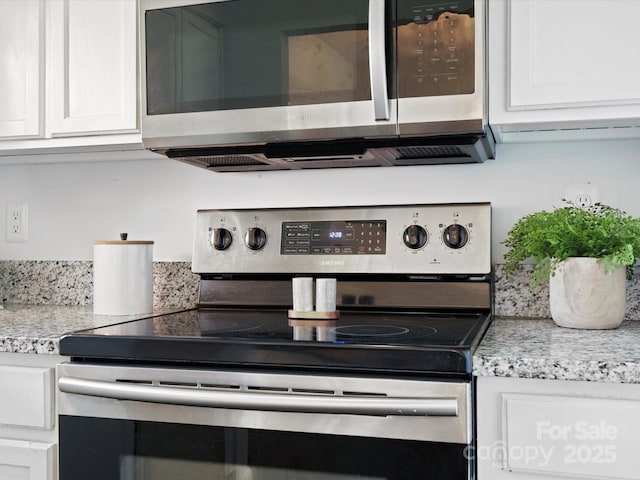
(537, 348)
(38, 328)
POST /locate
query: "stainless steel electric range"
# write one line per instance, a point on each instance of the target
(369, 379)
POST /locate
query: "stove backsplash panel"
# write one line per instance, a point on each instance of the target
(71, 283)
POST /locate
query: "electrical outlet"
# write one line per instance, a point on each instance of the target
(17, 221)
(583, 195)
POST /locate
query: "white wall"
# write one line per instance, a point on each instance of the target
(71, 205)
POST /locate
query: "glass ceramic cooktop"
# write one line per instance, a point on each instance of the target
(356, 340)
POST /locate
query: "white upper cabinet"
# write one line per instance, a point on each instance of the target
(93, 66)
(68, 74)
(21, 68)
(564, 69)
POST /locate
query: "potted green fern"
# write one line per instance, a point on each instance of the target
(587, 254)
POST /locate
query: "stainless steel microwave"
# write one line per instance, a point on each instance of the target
(234, 85)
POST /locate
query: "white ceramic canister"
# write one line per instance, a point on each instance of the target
(326, 294)
(302, 294)
(122, 277)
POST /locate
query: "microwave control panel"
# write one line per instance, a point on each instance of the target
(436, 48)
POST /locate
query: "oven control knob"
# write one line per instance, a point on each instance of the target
(455, 236)
(221, 238)
(415, 237)
(255, 238)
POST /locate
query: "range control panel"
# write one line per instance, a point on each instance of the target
(403, 239)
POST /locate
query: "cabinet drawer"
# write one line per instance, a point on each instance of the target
(27, 397)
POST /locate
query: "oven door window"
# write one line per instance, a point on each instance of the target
(253, 54)
(107, 449)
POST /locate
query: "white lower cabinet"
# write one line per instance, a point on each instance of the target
(23, 460)
(28, 424)
(552, 429)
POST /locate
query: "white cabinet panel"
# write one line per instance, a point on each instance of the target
(21, 460)
(564, 69)
(92, 75)
(567, 53)
(571, 435)
(68, 76)
(29, 400)
(530, 429)
(28, 427)
(21, 68)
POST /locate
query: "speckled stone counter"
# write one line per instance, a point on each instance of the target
(71, 283)
(514, 297)
(537, 348)
(36, 282)
(49, 298)
(38, 328)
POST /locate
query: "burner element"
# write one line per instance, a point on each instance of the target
(227, 327)
(371, 331)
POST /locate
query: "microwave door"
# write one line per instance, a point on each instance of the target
(256, 71)
(441, 67)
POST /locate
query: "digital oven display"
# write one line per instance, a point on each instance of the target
(350, 237)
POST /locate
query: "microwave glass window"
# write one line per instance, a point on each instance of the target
(252, 54)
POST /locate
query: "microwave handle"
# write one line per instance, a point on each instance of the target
(377, 59)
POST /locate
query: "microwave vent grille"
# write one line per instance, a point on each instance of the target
(229, 161)
(431, 152)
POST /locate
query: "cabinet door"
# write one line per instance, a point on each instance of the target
(530, 429)
(21, 68)
(574, 53)
(92, 69)
(21, 460)
(564, 65)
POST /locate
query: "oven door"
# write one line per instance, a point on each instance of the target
(254, 71)
(166, 424)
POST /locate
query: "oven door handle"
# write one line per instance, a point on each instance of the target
(356, 405)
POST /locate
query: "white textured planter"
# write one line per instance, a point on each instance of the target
(581, 295)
